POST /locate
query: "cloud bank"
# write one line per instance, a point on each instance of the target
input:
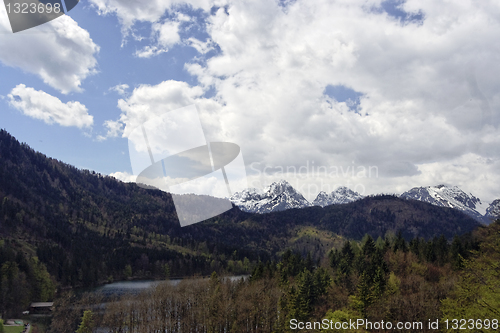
(40, 105)
(60, 52)
(425, 72)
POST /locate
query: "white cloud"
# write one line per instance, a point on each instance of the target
(166, 35)
(121, 89)
(60, 52)
(124, 176)
(129, 12)
(150, 51)
(208, 185)
(431, 95)
(40, 105)
(148, 101)
(115, 128)
(201, 47)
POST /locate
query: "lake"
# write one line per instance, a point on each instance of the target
(136, 287)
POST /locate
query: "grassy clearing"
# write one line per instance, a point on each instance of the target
(13, 329)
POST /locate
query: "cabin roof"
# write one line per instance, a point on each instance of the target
(42, 304)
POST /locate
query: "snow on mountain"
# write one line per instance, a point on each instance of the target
(493, 211)
(281, 196)
(276, 197)
(452, 197)
(341, 195)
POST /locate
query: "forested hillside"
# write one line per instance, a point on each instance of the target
(85, 228)
(388, 280)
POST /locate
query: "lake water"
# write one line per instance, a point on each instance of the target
(129, 287)
(136, 287)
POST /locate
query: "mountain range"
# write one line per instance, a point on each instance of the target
(342, 195)
(493, 211)
(276, 197)
(281, 196)
(89, 228)
(453, 197)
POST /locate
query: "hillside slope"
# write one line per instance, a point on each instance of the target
(88, 228)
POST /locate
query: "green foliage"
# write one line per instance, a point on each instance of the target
(477, 294)
(2, 329)
(305, 289)
(389, 284)
(393, 279)
(342, 262)
(291, 264)
(166, 269)
(393, 284)
(22, 280)
(258, 272)
(128, 271)
(44, 287)
(68, 316)
(87, 324)
(341, 316)
(400, 243)
(85, 228)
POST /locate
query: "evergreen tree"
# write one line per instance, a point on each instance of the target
(430, 252)
(345, 265)
(365, 292)
(306, 294)
(87, 324)
(258, 272)
(379, 282)
(368, 247)
(457, 253)
(400, 243)
(477, 294)
(416, 247)
(309, 263)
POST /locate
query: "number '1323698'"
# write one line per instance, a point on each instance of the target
(32, 8)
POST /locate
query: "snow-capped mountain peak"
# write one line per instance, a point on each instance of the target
(281, 195)
(448, 196)
(276, 197)
(248, 194)
(341, 195)
(493, 211)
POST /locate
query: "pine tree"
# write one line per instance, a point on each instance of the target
(306, 294)
(87, 324)
(379, 282)
(365, 293)
(477, 294)
(457, 253)
(400, 243)
(368, 246)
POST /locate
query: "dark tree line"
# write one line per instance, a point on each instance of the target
(388, 279)
(88, 229)
(22, 279)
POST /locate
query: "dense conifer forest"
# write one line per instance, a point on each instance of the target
(62, 229)
(385, 279)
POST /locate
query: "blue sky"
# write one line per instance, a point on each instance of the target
(407, 87)
(116, 65)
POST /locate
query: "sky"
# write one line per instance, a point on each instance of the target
(378, 96)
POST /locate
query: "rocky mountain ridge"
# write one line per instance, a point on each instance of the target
(281, 196)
